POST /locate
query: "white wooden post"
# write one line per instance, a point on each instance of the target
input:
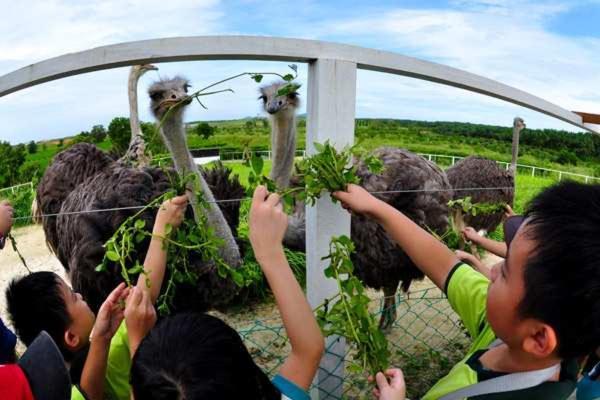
(533, 171)
(331, 109)
(560, 176)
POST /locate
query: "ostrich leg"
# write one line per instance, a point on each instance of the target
(388, 313)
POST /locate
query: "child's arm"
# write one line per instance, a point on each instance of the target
(268, 223)
(474, 262)
(429, 254)
(107, 322)
(171, 212)
(497, 248)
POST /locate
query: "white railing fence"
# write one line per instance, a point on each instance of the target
(13, 189)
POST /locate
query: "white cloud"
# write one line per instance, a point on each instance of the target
(513, 48)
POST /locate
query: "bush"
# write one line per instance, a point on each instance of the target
(204, 130)
(21, 201)
(32, 147)
(566, 157)
(119, 132)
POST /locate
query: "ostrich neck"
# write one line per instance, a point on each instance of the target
(283, 146)
(515, 149)
(175, 138)
(134, 120)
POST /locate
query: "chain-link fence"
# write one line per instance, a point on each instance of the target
(426, 340)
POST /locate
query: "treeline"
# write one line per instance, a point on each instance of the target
(585, 146)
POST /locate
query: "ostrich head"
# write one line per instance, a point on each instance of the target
(167, 93)
(281, 105)
(139, 70)
(519, 124)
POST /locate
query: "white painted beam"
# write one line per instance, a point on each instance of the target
(331, 111)
(277, 49)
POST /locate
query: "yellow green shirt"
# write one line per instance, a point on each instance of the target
(117, 369)
(467, 293)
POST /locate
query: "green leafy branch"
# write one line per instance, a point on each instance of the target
(349, 316)
(468, 207)
(191, 237)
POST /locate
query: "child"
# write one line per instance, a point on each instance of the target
(511, 225)
(543, 302)
(43, 301)
(8, 340)
(196, 356)
(41, 373)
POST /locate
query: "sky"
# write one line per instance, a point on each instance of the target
(548, 48)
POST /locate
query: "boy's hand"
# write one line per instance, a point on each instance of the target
(6, 217)
(140, 316)
(267, 223)
(110, 314)
(357, 199)
(171, 212)
(395, 389)
(470, 234)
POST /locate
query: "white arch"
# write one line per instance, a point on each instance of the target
(274, 49)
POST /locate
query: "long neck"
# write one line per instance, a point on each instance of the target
(174, 136)
(134, 120)
(515, 149)
(283, 146)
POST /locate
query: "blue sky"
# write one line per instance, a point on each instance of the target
(548, 48)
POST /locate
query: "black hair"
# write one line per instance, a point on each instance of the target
(562, 275)
(35, 304)
(197, 356)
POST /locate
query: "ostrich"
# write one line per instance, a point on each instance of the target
(282, 114)
(69, 168)
(378, 261)
(479, 172)
(80, 236)
(136, 153)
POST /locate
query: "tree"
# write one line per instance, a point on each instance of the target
(32, 147)
(249, 126)
(119, 133)
(204, 130)
(154, 142)
(12, 158)
(98, 133)
(61, 142)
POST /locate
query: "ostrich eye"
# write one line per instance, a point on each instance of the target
(186, 87)
(156, 95)
(293, 95)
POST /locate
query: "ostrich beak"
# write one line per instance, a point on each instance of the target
(150, 67)
(273, 108)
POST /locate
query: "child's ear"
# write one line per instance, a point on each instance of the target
(541, 340)
(71, 340)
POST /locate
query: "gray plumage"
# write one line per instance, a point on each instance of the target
(379, 262)
(479, 172)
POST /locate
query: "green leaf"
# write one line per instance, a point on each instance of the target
(140, 224)
(101, 268)
(112, 256)
(257, 164)
(139, 237)
(257, 77)
(168, 229)
(288, 77)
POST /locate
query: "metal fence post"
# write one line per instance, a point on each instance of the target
(331, 109)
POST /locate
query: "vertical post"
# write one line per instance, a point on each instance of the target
(453, 160)
(331, 107)
(559, 176)
(533, 171)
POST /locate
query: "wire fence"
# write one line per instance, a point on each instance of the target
(426, 340)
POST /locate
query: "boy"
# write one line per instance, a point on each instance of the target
(543, 302)
(43, 301)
